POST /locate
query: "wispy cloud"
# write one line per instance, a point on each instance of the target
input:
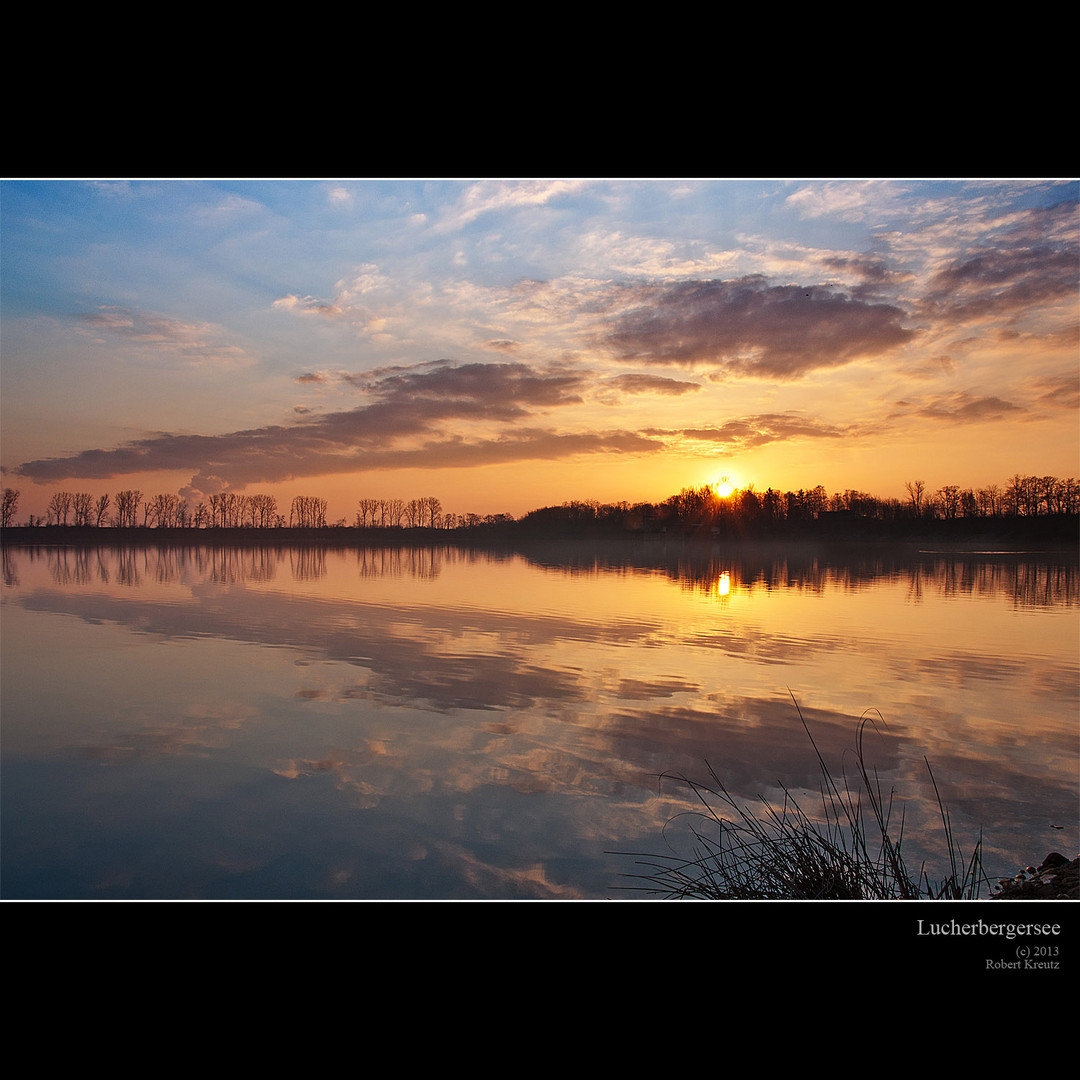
(747, 432)
(961, 407)
(160, 337)
(493, 196)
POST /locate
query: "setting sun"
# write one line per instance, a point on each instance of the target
(724, 487)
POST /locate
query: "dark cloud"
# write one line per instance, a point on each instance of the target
(749, 327)
(407, 423)
(500, 391)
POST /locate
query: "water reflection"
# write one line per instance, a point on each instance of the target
(1025, 579)
(440, 722)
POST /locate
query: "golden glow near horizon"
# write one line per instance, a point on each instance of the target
(725, 487)
(401, 340)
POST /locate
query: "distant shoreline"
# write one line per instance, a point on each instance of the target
(1042, 535)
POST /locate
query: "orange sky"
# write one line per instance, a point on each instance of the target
(509, 344)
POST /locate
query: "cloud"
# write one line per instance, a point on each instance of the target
(849, 200)
(190, 343)
(307, 305)
(1059, 392)
(652, 384)
(504, 391)
(503, 345)
(963, 408)
(1003, 282)
(747, 327)
(871, 275)
(1031, 261)
(533, 444)
(931, 367)
(748, 431)
(492, 196)
(409, 422)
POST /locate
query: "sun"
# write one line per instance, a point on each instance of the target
(724, 487)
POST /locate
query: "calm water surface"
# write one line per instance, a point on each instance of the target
(430, 723)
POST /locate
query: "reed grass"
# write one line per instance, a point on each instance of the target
(852, 851)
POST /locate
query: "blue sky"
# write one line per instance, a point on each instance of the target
(510, 343)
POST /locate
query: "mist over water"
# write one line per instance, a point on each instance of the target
(392, 722)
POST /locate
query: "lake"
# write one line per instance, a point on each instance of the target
(280, 722)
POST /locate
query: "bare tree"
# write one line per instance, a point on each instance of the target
(1070, 495)
(948, 498)
(262, 510)
(82, 507)
(989, 500)
(916, 489)
(232, 509)
(1050, 491)
(127, 504)
(59, 508)
(365, 512)
(101, 509)
(9, 502)
(166, 510)
(431, 511)
(1018, 497)
(308, 512)
(396, 512)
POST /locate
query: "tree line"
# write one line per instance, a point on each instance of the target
(129, 509)
(748, 511)
(1021, 496)
(744, 509)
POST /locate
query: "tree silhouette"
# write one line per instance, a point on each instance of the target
(9, 502)
(308, 512)
(127, 505)
(916, 489)
(82, 506)
(59, 508)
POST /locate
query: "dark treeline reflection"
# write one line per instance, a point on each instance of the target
(1026, 579)
(1030, 579)
(138, 565)
(229, 564)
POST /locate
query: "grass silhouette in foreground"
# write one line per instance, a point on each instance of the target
(783, 854)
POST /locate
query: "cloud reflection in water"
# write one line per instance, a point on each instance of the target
(440, 723)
